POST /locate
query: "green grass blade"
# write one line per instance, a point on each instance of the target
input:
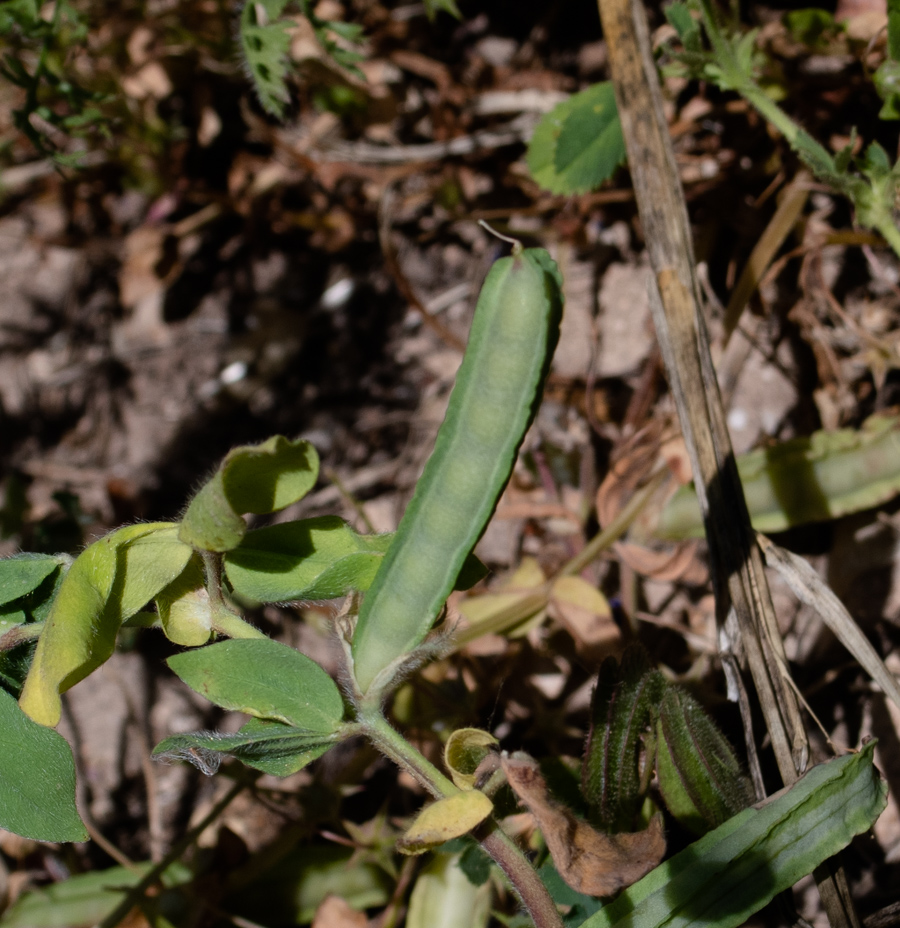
(732, 872)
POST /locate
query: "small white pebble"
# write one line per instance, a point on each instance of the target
(235, 372)
(338, 293)
(737, 419)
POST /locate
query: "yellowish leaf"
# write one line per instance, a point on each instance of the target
(445, 819)
(585, 611)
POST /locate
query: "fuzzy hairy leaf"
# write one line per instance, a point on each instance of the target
(621, 715)
(321, 558)
(466, 748)
(37, 779)
(445, 819)
(108, 582)
(699, 777)
(272, 747)
(255, 479)
(23, 574)
(265, 679)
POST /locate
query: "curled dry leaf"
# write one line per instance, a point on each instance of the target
(631, 469)
(518, 605)
(464, 752)
(588, 860)
(673, 563)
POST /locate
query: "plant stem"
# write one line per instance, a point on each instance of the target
(502, 849)
(871, 205)
(393, 745)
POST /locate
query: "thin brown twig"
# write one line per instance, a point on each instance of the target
(400, 279)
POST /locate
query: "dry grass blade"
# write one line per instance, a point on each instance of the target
(809, 588)
(766, 248)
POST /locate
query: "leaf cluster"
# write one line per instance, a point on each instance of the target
(38, 60)
(265, 38)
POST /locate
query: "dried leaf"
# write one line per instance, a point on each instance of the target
(585, 611)
(678, 563)
(519, 603)
(336, 912)
(588, 860)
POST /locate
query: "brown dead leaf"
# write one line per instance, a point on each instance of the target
(140, 277)
(336, 912)
(151, 81)
(586, 613)
(588, 860)
(678, 562)
(633, 462)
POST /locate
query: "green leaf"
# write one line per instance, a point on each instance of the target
(813, 154)
(184, 607)
(265, 42)
(433, 7)
(37, 779)
(580, 904)
(108, 582)
(893, 10)
(680, 19)
(811, 479)
(809, 26)
(700, 779)
(264, 745)
(621, 715)
(265, 679)
(732, 872)
(85, 899)
(877, 163)
(474, 862)
(465, 749)
(24, 573)
(579, 144)
(253, 478)
(887, 84)
(319, 558)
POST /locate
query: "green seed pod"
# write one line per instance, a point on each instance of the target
(497, 392)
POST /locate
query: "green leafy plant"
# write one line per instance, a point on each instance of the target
(731, 62)
(578, 145)
(266, 40)
(37, 59)
(194, 571)
(887, 77)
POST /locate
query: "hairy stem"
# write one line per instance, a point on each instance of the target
(502, 849)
